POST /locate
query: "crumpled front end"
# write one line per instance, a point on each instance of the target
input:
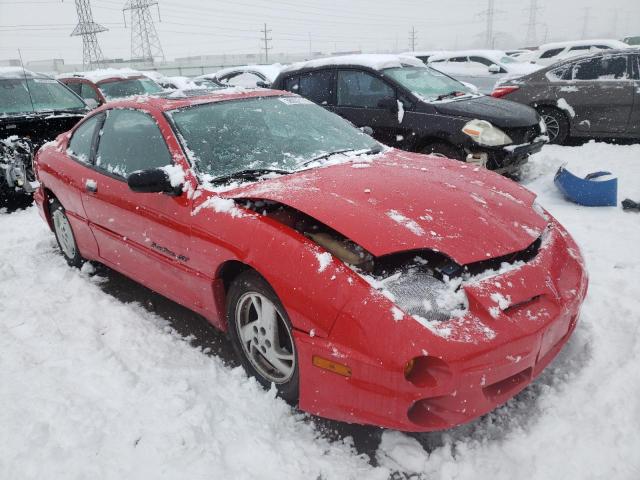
(413, 374)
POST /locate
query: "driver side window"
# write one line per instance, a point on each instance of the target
(131, 140)
(361, 89)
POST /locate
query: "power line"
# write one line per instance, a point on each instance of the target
(489, 37)
(145, 43)
(531, 38)
(412, 39)
(87, 29)
(266, 40)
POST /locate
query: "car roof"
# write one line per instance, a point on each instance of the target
(372, 61)
(19, 72)
(579, 43)
(104, 74)
(495, 55)
(268, 71)
(184, 98)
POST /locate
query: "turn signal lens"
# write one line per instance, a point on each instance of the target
(332, 366)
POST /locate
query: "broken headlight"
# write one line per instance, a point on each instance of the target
(484, 133)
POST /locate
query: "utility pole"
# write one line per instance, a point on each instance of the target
(145, 43)
(412, 38)
(488, 40)
(532, 35)
(585, 22)
(87, 29)
(266, 40)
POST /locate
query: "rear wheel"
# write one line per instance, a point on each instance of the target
(443, 149)
(557, 124)
(64, 234)
(262, 335)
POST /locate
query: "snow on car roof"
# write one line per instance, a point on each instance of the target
(495, 55)
(269, 71)
(426, 53)
(375, 61)
(577, 43)
(19, 72)
(96, 76)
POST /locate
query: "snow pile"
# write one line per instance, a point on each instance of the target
(95, 388)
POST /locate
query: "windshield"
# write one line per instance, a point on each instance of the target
(278, 133)
(129, 87)
(426, 83)
(46, 93)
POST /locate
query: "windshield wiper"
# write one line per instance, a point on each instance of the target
(250, 173)
(456, 93)
(324, 156)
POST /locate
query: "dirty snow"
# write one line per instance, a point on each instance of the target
(96, 388)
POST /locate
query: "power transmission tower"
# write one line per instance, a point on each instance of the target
(532, 35)
(145, 43)
(266, 40)
(87, 29)
(412, 38)
(489, 37)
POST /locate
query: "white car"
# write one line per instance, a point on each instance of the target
(249, 76)
(482, 68)
(550, 53)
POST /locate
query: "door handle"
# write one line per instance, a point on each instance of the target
(91, 185)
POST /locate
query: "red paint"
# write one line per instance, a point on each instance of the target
(500, 92)
(468, 373)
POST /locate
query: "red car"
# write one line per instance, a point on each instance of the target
(370, 285)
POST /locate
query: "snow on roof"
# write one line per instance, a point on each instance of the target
(495, 55)
(270, 72)
(152, 74)
(577, 43)
(375, 61)
(426, 53)
(18, 72)
(96, 76)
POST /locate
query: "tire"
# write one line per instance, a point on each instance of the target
(557, 124)
(264, 343)
(64, 234)
(443, 149)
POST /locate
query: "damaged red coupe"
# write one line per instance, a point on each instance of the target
(370, 285)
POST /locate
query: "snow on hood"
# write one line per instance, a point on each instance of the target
(406, 201)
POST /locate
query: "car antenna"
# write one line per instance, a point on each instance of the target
(26, 82)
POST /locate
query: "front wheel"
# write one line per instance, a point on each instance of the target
(64, 234)
(557, 124)
(262, 335)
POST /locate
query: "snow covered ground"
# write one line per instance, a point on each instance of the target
(91, 387)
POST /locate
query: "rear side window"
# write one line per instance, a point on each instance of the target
(82, 139)
(88, 92)
(291, 84)
(551, 53)
(361, 89)
(560, 73)
(317, 86)
(601, 68)
(75, 87)
(580, 47)
(131, 140)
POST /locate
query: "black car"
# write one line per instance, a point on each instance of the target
(592, 96)
(34, 109)
(413, 107)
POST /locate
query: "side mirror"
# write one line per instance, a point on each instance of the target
(154, 180)
(263, 84)
(91, 102)
(494, 68)
(367, 130)
(388, 104)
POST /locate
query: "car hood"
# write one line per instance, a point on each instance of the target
(403, 201)
(500, 112)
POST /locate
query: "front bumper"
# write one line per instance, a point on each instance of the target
(488, 358)
(506, 160)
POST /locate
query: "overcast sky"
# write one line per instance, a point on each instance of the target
(41, 28)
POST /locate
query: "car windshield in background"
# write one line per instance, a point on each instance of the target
(271, 133)
(129, 87)
(46, 95)
(427, 83)
(508, 60)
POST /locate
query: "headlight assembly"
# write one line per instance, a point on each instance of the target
(483, 133)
